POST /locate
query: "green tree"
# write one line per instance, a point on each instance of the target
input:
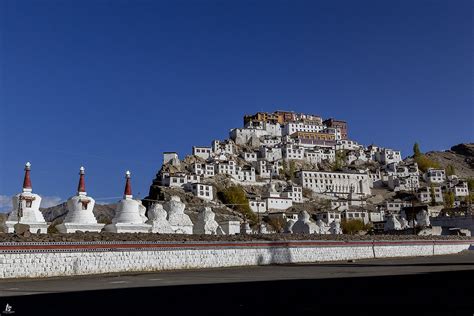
(449, 199)
(450, 171)
(416, 150)
(235, 197)
(424, 163)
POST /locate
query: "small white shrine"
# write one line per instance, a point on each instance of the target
(26, 208)
(304, 225)
(129, 214)
(206, 223)
(80, 216)
(180, 222)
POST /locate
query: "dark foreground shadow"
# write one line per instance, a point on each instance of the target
(442, 293)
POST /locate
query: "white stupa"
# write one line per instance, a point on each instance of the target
(80, 216)
(129, 214)
(26, 208)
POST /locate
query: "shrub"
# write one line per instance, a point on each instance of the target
(235, 197)
(277, 223)
(353, 226)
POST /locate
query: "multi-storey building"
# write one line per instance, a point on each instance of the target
(294, 127)
(341, 125)
(310, 139)
(430, 194)
(339, 184)
(435, 176)
(293, 192)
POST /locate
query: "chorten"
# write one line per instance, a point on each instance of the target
(80, 216)
(129, 214)
(26, 208)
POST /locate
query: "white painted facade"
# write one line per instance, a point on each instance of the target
(435, 176)
(82, 262)
(201, 190)
(202, 152)
(293, 192)
(293, 152)
(335, 183)
(258, 206)
(329, 216)
(294, 127)
(425, 195)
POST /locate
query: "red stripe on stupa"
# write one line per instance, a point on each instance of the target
(27, 179)
(82, 183)
(128, 186)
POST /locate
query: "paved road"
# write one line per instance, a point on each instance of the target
(445, 283)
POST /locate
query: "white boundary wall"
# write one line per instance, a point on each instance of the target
(59, 260)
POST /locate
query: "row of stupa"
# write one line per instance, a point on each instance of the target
(129, 214)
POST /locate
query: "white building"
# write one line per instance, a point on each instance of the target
(294, 127)
(386, 156)
(226, 147)
(293, 192)
(266, 169)
(345, 144)
(271, 153)
(292, 152)
(274, 201)
(176, 180)
(204, 170)
(339, 184)
(460, 189)
(394, 207)
(270, 141)
(402, 177)
(257, 206)
(242, 136)
(202, 152)
(243, 174)
(329, 216)
(425, 195)
(170, 156)
(201, 190)
(250, 157)
(435, 176)
(319, 154)
(361, 215)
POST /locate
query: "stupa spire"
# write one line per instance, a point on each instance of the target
(81, 187)
(128, 187)
(27, 180)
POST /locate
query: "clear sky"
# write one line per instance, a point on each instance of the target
(112, 84)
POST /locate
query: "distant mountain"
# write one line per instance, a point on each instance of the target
(461, 157)
(103, 212)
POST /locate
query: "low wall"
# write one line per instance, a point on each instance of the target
(33, 260)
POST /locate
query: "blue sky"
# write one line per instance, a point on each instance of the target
(112, 84)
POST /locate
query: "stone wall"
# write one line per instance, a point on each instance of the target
(34, 260)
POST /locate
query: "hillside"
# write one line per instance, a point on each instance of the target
(461, 157)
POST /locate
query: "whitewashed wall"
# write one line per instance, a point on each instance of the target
(67, 260)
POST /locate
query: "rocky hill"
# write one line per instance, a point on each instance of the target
(461, 157)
